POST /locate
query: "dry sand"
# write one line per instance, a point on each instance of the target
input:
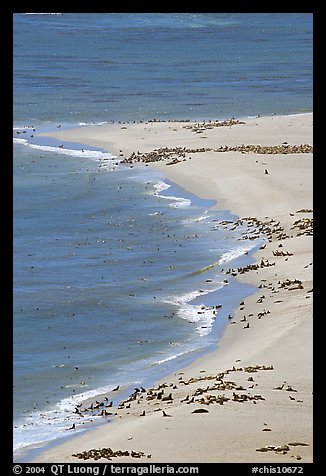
(256, 387)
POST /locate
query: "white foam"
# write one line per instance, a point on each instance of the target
(195, 220)
(40, 427)
(91, 154)
(155, 214)
(172, 357)
(199, 314)
(236, 253)
(179, 202)
(167, 359)
(43, 426)
(176, 202)
(92, 123)
(160, 186)
(203, 317)
(46, 13)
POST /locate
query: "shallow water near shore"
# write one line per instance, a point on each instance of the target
(112, 279)
(108, 282)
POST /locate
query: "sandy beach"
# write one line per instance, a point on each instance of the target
(251, 400)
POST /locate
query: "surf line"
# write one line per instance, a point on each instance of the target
(206, 268)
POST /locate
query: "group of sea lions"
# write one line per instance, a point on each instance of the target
(273, 149)
(163, 153)
(253, 228)
(305, 226)
(282, 253)
(249, 267)
(282, 449)
(202, 126)
(165, 395)
(288, 282)
(108, 454)
(200, 395)
(178, 153)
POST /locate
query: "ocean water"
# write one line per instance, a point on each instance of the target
(112, 265)
(99, 67)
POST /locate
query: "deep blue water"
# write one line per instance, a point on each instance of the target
(82, 67)
(106, 258)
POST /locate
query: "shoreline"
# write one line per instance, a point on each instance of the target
(274, 419)
(181, 357)
(226, 296)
